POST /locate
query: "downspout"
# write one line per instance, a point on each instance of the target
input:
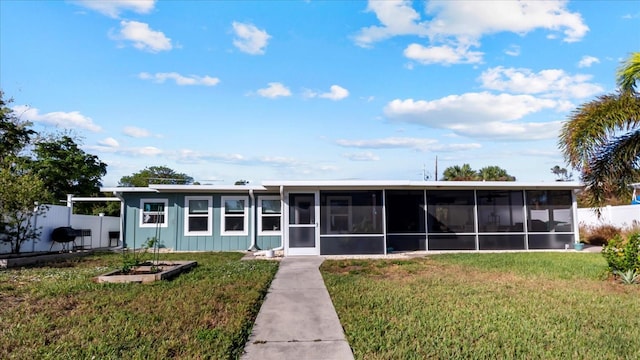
(70, 206)
(122, 219)
(252, 225)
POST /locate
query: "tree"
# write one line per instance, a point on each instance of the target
(155, 175)
(20, 188)
(494, 173)
(561, 173)
(601, 138)
(466, 173)
(20, 195)
(460, 173)
(15, 134)
(67, 169)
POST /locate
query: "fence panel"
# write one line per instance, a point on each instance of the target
(623, 216)
(58, 216)
(100, 226)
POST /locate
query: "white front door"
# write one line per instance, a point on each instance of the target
(302, 225)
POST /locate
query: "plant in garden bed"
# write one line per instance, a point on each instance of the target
(622, 254)
(133, 258)
(628, 277)
(598, 234)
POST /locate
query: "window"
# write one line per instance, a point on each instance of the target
(500, 211)
(234, 215)
(339, 214)
(450, 211)
(197, 215)
(550, 210)
(269, 215)
(153, 212)
(405, 211)
(351, 212)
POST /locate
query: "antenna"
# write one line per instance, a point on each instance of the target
(425, 174)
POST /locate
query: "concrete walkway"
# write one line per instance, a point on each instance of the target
(297, 319)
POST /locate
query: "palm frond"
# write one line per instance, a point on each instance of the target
(629, 73)
(616, 166)
(593, 125)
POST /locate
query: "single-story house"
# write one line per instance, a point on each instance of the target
(352, 217)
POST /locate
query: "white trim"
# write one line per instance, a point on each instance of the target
(188, 215)
(262, 232)
(224, 215)
(165, 214)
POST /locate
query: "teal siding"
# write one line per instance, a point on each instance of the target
(135, 236)
(269, 242)
(173, 236)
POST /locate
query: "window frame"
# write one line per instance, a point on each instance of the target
(224, 215)
(165, 213)
(208, 215)
(261, 215)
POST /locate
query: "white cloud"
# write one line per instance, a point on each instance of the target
(550, 82)
(145, 151)
(113, 8)
(180, 79)
(587, 61)
(513, 50)
(474, 19)
(143, 37)
(279, 161)
(136, 132)
(274, 90)
(249, 38)
(444, 54)
(476, 114)
(361, 156)
(455, 26)
(420, 144)
(109, 142)
(397, 17)
(67, 120)
(335, 93)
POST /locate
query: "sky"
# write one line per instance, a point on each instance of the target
(312, 90)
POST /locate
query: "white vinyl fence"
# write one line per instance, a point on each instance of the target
(59, 216)
(623, 216)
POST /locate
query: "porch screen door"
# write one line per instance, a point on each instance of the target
(302, 224)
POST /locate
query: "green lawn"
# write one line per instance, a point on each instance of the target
(485, 306)
(57, 312)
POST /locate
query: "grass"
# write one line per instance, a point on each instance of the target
(485, 306)
(58, 312)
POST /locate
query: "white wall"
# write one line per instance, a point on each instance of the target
(57, 216)
(619, 216)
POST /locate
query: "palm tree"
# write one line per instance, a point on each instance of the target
(460, 173)
(495, 173)
(601, 139)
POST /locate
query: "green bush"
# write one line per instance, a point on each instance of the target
(623, 253)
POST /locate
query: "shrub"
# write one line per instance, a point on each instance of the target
(598, 234)
(623, 253)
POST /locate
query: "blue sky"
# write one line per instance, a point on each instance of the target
(304, 90)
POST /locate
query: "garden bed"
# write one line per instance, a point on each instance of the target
(146, 273)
